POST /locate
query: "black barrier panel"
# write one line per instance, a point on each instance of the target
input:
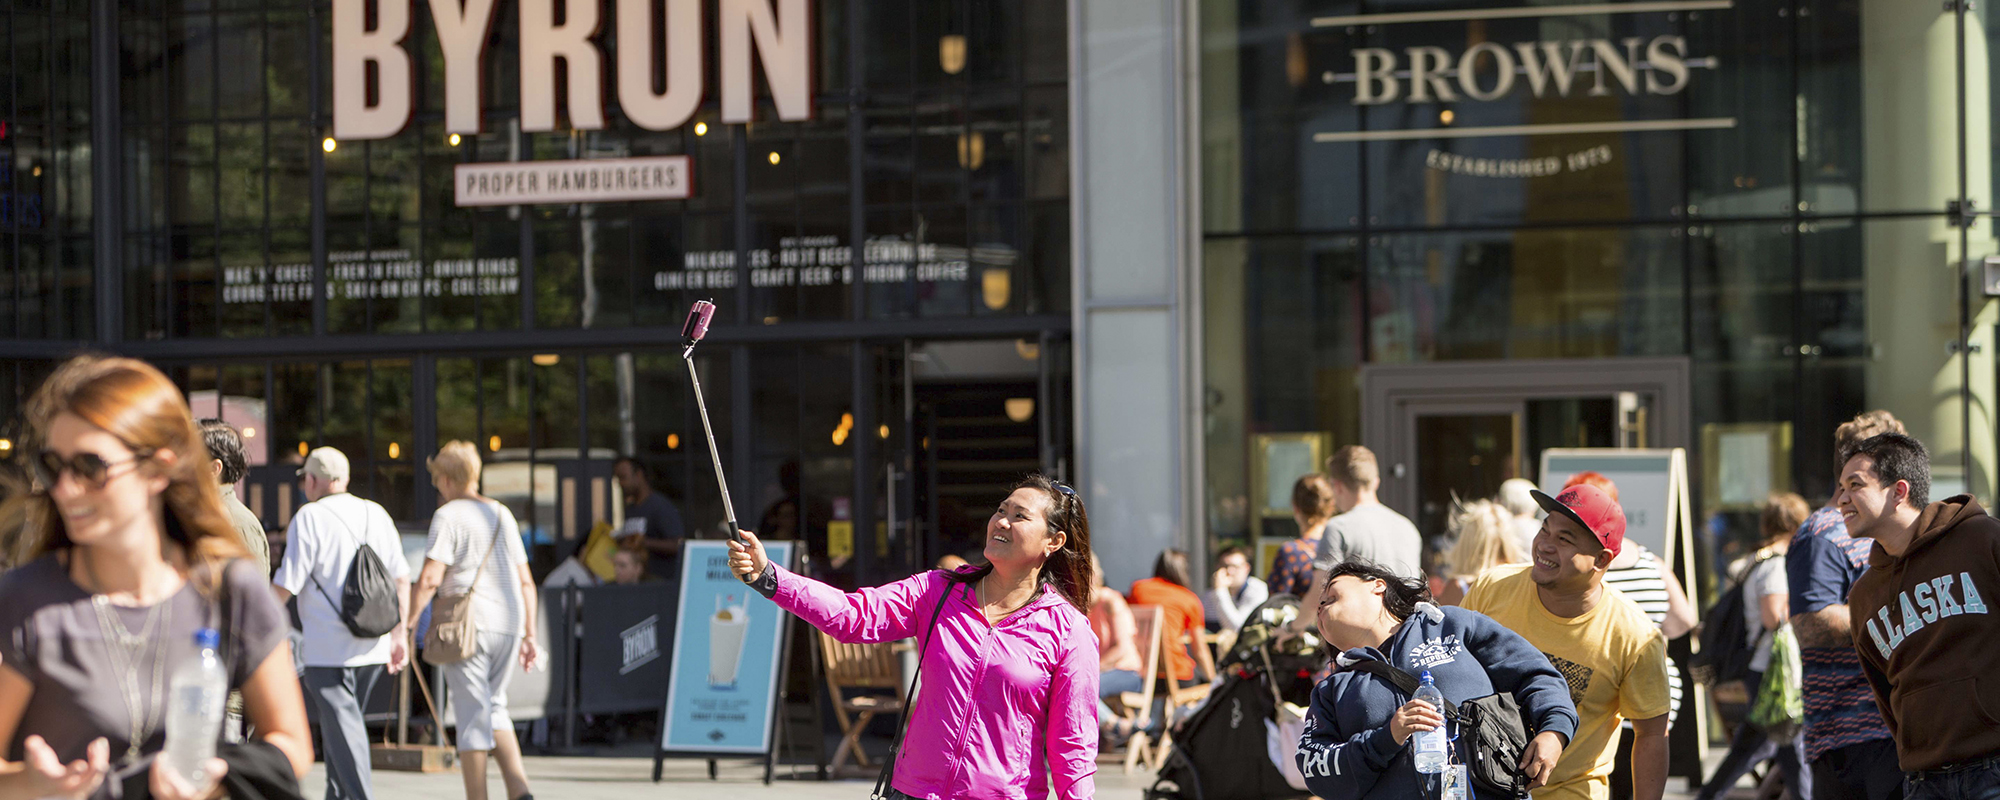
(625, 643)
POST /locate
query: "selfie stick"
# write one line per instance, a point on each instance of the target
(691, 333)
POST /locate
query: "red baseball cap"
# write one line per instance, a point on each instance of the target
(1590, 507)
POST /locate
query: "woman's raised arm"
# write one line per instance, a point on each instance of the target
(876, 614)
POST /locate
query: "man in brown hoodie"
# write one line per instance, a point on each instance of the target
(1920, 618)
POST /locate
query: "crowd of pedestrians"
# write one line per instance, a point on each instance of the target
(1861, 628)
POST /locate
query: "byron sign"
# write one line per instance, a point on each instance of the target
(659, 70)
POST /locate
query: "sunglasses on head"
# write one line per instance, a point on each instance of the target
(90, 469)
(1060, 488)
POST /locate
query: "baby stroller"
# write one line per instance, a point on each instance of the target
(1240, 744)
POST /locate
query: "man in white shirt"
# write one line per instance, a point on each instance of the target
(340, 669)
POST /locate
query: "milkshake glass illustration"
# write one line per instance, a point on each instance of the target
(726, 629)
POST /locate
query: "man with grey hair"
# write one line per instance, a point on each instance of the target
(226, 463)
(341, 669)
(1518, 496)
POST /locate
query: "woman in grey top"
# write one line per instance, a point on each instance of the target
(475, 546)
(132, 554)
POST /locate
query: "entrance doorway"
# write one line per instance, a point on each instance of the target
(966, 420)
(1451, 431)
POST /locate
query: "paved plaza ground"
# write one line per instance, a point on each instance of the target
(576, 778)
(621, 778)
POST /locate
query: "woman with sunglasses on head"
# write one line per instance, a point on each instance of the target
(1009, 663)
(132, 555)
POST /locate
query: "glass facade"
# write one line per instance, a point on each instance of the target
(45, 158)
(1773, 193)
(233, 184)
(333, 292)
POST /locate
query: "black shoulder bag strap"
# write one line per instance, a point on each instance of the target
(882, 787)
(1403, 681)
(257, 768)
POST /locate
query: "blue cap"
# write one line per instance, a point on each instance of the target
(1427, 676)
(209, 638)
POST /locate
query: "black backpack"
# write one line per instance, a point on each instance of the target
(368, 602)
(1492, 732)
(1725, 653)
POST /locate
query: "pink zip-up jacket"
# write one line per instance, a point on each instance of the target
(1004, 708)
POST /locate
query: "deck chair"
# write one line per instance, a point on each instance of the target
(860, 667)
(1180, 701)
(1138, 706)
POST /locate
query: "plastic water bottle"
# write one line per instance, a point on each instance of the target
(1432, 755)
(195, 710)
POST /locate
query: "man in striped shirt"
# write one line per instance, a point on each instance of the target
(1852, 755)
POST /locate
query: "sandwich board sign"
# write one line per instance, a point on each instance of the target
(728, 658)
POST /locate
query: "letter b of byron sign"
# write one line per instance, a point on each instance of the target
(658, 43)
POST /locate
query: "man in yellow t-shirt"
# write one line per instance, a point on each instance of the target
(1613, 658)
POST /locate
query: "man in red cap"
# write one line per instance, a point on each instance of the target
(1613, 657)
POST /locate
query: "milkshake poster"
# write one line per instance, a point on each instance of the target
(727, 647)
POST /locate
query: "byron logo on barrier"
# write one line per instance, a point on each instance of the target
(657, 42)
(640, 643)
(1542, 69)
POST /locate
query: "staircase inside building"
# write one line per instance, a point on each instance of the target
(976, 440)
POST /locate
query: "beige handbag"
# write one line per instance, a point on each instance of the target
(454, 635)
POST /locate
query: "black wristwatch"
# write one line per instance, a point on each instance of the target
(767, 583)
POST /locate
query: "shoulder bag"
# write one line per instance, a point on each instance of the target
(1492, 733)
(882, 787)
(454, 634)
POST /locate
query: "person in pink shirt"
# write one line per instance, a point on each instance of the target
(1009, 666)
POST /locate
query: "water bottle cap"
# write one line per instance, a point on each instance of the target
(1427, 676)
(208, 638)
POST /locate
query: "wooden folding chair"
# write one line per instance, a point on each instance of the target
(1179, 699)
(1138, 706)
(860, 666)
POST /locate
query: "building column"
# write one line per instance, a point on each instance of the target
(1912, 269)
(1129, 74)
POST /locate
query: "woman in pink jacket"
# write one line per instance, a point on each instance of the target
(1009, 661)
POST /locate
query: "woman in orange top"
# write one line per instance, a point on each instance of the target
(1181, 613)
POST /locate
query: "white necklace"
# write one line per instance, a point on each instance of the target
(982, 599)
(129, 654)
